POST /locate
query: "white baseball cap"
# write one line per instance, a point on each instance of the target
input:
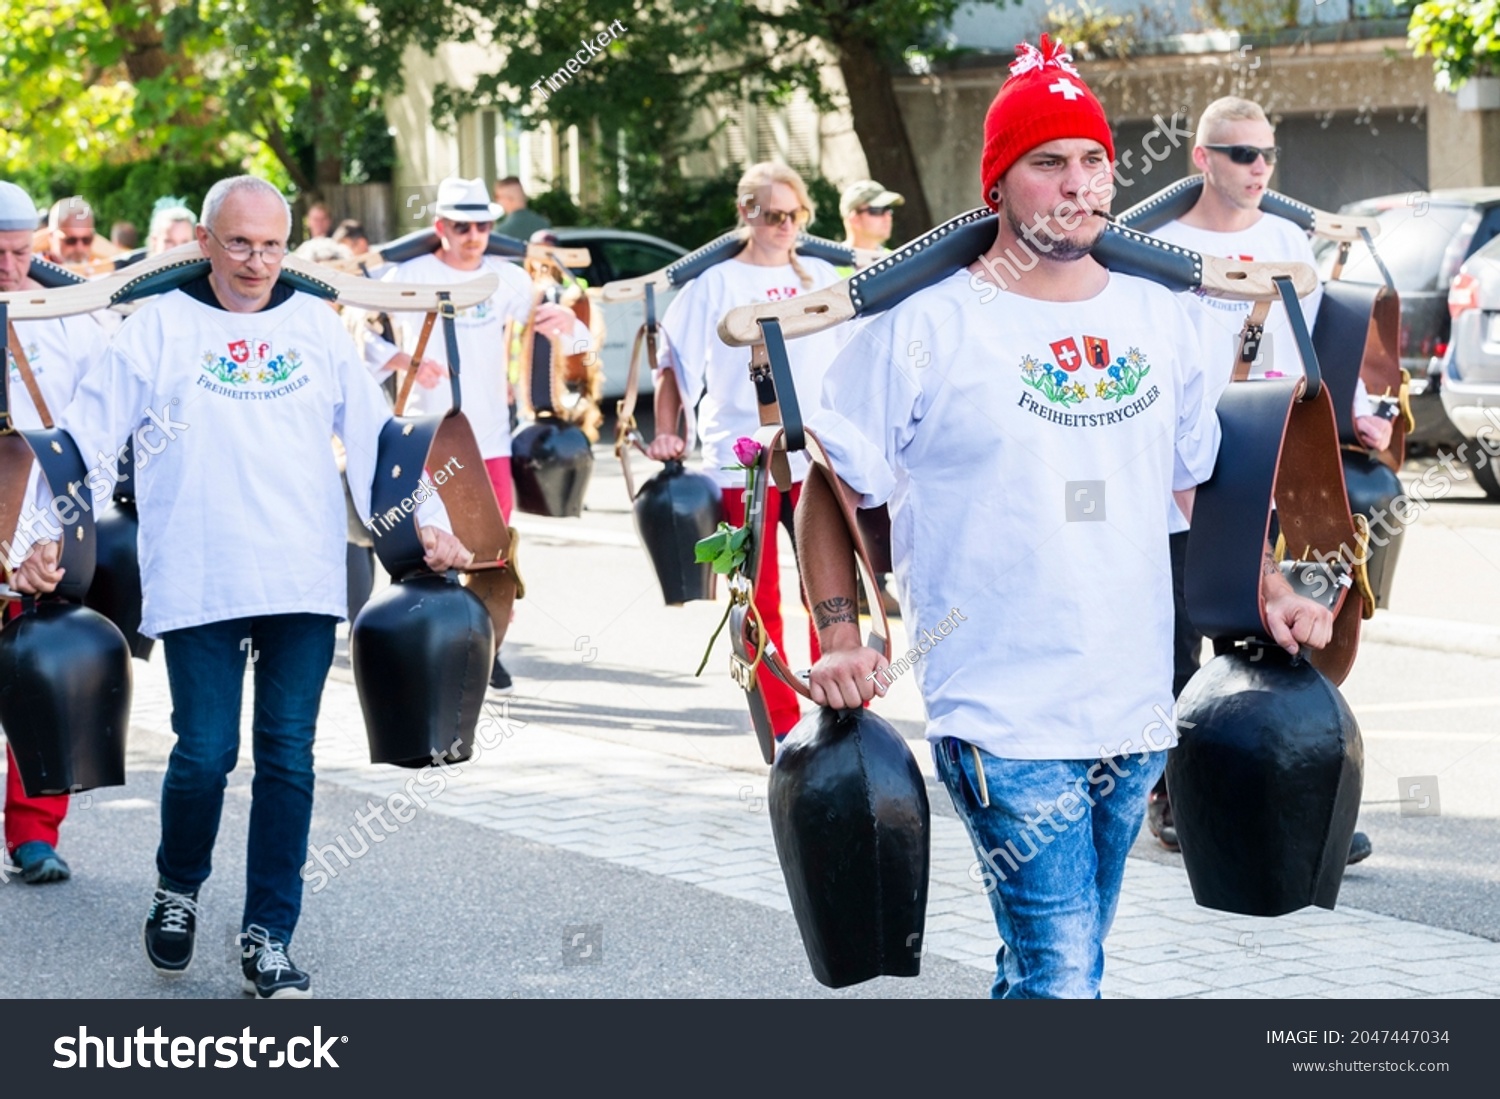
(466, 200)
(17, 211)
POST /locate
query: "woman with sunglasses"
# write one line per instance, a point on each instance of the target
(714, 378)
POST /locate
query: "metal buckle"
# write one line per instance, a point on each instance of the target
(1403, 398)
(742, 672)
(626, 430)
(1250, 346)
(1361, 565)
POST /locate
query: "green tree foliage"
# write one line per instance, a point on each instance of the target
(298, 84)
(642, 97)
(1461, 36)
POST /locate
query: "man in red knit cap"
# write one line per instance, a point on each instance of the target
(1030, 455)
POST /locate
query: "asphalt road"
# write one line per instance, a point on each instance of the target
(448, 910)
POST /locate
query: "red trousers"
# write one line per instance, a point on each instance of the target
(505, 488)
(781, 700)
(28, 819)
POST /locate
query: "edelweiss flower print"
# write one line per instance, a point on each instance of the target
(1078, 372)
(252, 370)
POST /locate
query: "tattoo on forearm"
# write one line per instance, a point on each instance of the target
(831, 611)
(1268, 565)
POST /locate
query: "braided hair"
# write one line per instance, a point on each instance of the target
(759, 178)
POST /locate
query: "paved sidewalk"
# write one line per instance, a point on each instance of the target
(707, 826)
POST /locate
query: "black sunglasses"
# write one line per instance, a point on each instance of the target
(876, 211)
(1246, 154)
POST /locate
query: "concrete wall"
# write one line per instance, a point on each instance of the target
(1360, 118)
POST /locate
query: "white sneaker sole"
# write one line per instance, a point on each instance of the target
(281, 994)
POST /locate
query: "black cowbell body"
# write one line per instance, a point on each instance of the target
(851, 821)
(1265, 783)
(116, 588)
(65, 688)
(673, 511)
(422, 650)
(552, 462)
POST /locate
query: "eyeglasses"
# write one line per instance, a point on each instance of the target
(774, 218)
(240, 250)
(464, 228)
(78, 242)
(874, 211)
(1246, 154)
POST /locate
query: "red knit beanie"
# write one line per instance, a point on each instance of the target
(1043, 100)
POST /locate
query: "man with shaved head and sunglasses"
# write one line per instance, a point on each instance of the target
(1235, 150)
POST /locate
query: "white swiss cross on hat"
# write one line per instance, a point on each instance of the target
(1066, 88)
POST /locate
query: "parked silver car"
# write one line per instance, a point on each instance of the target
(1471, 368)
(1424, 236)
(621, 254)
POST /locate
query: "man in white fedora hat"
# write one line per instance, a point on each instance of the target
(463, 220)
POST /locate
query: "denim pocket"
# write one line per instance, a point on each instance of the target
(959, 758)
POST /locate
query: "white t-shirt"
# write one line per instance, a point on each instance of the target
(61, 351)
(241, 507)
(1271, 238)
(1028, 414)
(1220, 320)
(481, 347)
(709, 368)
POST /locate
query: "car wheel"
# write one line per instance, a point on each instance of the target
(1486, 472)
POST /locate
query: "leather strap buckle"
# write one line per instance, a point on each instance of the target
(1361, 565)
(1403, 398)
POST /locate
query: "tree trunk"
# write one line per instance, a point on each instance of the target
(146, 56)
(276, 141)
(882, 132)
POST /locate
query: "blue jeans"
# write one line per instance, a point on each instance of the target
(206, 671)
(1052, 847)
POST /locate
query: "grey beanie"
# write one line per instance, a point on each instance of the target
(17, 211)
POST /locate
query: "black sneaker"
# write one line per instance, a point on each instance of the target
(500, 681)
(269, 973)
(1360, 848)
(171, 925)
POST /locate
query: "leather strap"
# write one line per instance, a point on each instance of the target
(627, 431)
(1280, 450)
(66, 477)
(752, 647)
(1356, 337)
(1385, 273)
(412, 453)
(416, 359)
(27, 377)
(751, 644)
(1251, 335)
(1300, 336)
(1339, 260)
(541, 391)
